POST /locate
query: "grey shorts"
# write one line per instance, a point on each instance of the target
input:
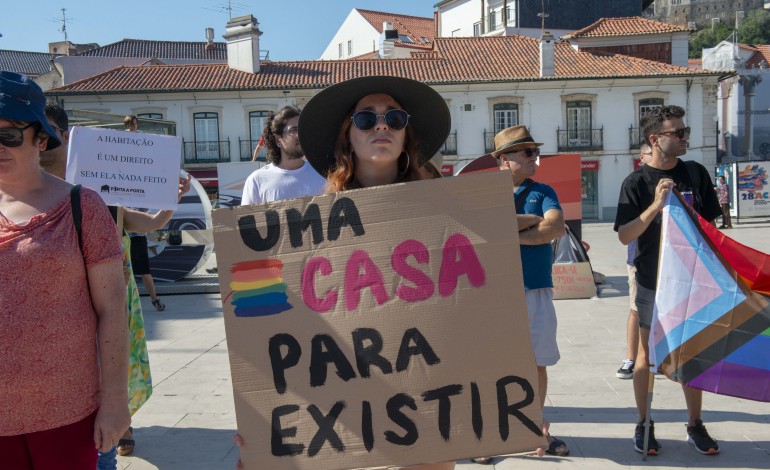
(542, 326)
(632, 286)
(645, 304)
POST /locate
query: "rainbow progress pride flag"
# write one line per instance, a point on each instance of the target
(709, 330)
(258, 288)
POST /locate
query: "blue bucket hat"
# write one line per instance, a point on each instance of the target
(21, 99)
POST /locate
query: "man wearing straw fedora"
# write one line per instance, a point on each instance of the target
(540, 220)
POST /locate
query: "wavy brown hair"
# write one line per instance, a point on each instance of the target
(343, 175)
(276, 122)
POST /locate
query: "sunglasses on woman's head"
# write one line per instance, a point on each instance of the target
(13, 136)
(395, 119)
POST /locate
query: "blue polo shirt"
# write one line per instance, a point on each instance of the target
(537, 260)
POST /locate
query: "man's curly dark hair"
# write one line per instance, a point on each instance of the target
(274, 127)
(652, 121)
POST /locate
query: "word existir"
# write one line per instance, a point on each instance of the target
(285, 352)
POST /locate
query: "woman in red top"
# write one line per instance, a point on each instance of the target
(62, 303)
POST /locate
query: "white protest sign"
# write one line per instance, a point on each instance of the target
(127, 169)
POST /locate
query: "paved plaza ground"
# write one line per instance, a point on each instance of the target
(187, 423)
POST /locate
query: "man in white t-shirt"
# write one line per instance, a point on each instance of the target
(287, 175)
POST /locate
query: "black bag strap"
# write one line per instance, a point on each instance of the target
(521, 198)
(77, 213)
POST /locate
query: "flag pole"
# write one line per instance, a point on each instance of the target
(647, 421)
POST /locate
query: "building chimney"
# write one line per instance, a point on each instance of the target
(546, 55)
(388, 40)
(209, 39)
(242, 35)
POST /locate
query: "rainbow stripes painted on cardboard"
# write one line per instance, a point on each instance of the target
(258, 289)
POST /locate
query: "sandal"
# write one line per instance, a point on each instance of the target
(126, 446)
(556, 447)
(159, 306)
(483, 460)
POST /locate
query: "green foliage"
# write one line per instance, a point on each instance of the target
(754, 29)
(709, 37)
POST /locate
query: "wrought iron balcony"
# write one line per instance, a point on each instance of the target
(450, 146)
(206, 151)
(247, 150)
(635, 139)
(580, 139)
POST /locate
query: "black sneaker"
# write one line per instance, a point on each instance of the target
(653, 445)
(626, 371)
(699, 437)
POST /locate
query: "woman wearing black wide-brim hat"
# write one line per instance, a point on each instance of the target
(372, 131)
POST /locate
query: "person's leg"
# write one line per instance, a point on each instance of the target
(696, 431)
(149, 284)
(694, 400)
(542, 384)
(632, 334)
(642, 373)
(73, 444)
(14, 452)
(645, 303)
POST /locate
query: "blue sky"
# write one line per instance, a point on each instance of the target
(293, 30)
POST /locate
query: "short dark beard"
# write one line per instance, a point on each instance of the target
(292, 154)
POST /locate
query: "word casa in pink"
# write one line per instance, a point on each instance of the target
(458, 259)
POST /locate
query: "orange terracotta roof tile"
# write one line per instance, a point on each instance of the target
(414, 27)
(695, 63)
(762, 53)
(627, 26)
(454, 60)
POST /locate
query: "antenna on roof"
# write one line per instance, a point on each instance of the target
(63, 28)
(229, 8)
(543, 15)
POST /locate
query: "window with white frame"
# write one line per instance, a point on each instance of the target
(505, 115)
(339, 50)
(350, 46)
(150, 115)
(579, 122)
(257, 120)
(206, 128)
(646, 105)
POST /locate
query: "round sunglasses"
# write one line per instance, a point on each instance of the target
(395, 119)
(13, 136)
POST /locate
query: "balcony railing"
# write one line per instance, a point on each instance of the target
(635, 139)
(450, 146)
(247, 150)
(580, 139)
(489, 141)
(208, 151)
(494, 20)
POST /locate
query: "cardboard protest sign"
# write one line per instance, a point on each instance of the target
(128, 169)
(573, 281)
(381, 326)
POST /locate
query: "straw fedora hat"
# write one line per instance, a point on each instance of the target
(513, 138)
(321, 118)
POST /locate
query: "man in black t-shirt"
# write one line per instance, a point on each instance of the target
(641, 200)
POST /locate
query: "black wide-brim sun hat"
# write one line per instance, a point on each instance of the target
(21, 99)
(321, 119)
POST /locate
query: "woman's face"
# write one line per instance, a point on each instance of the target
(379, 147)
(23, 157)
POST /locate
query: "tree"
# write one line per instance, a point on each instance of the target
(755, 28)
(708, 38)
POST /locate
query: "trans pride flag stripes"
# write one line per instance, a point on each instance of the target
(709, 330)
